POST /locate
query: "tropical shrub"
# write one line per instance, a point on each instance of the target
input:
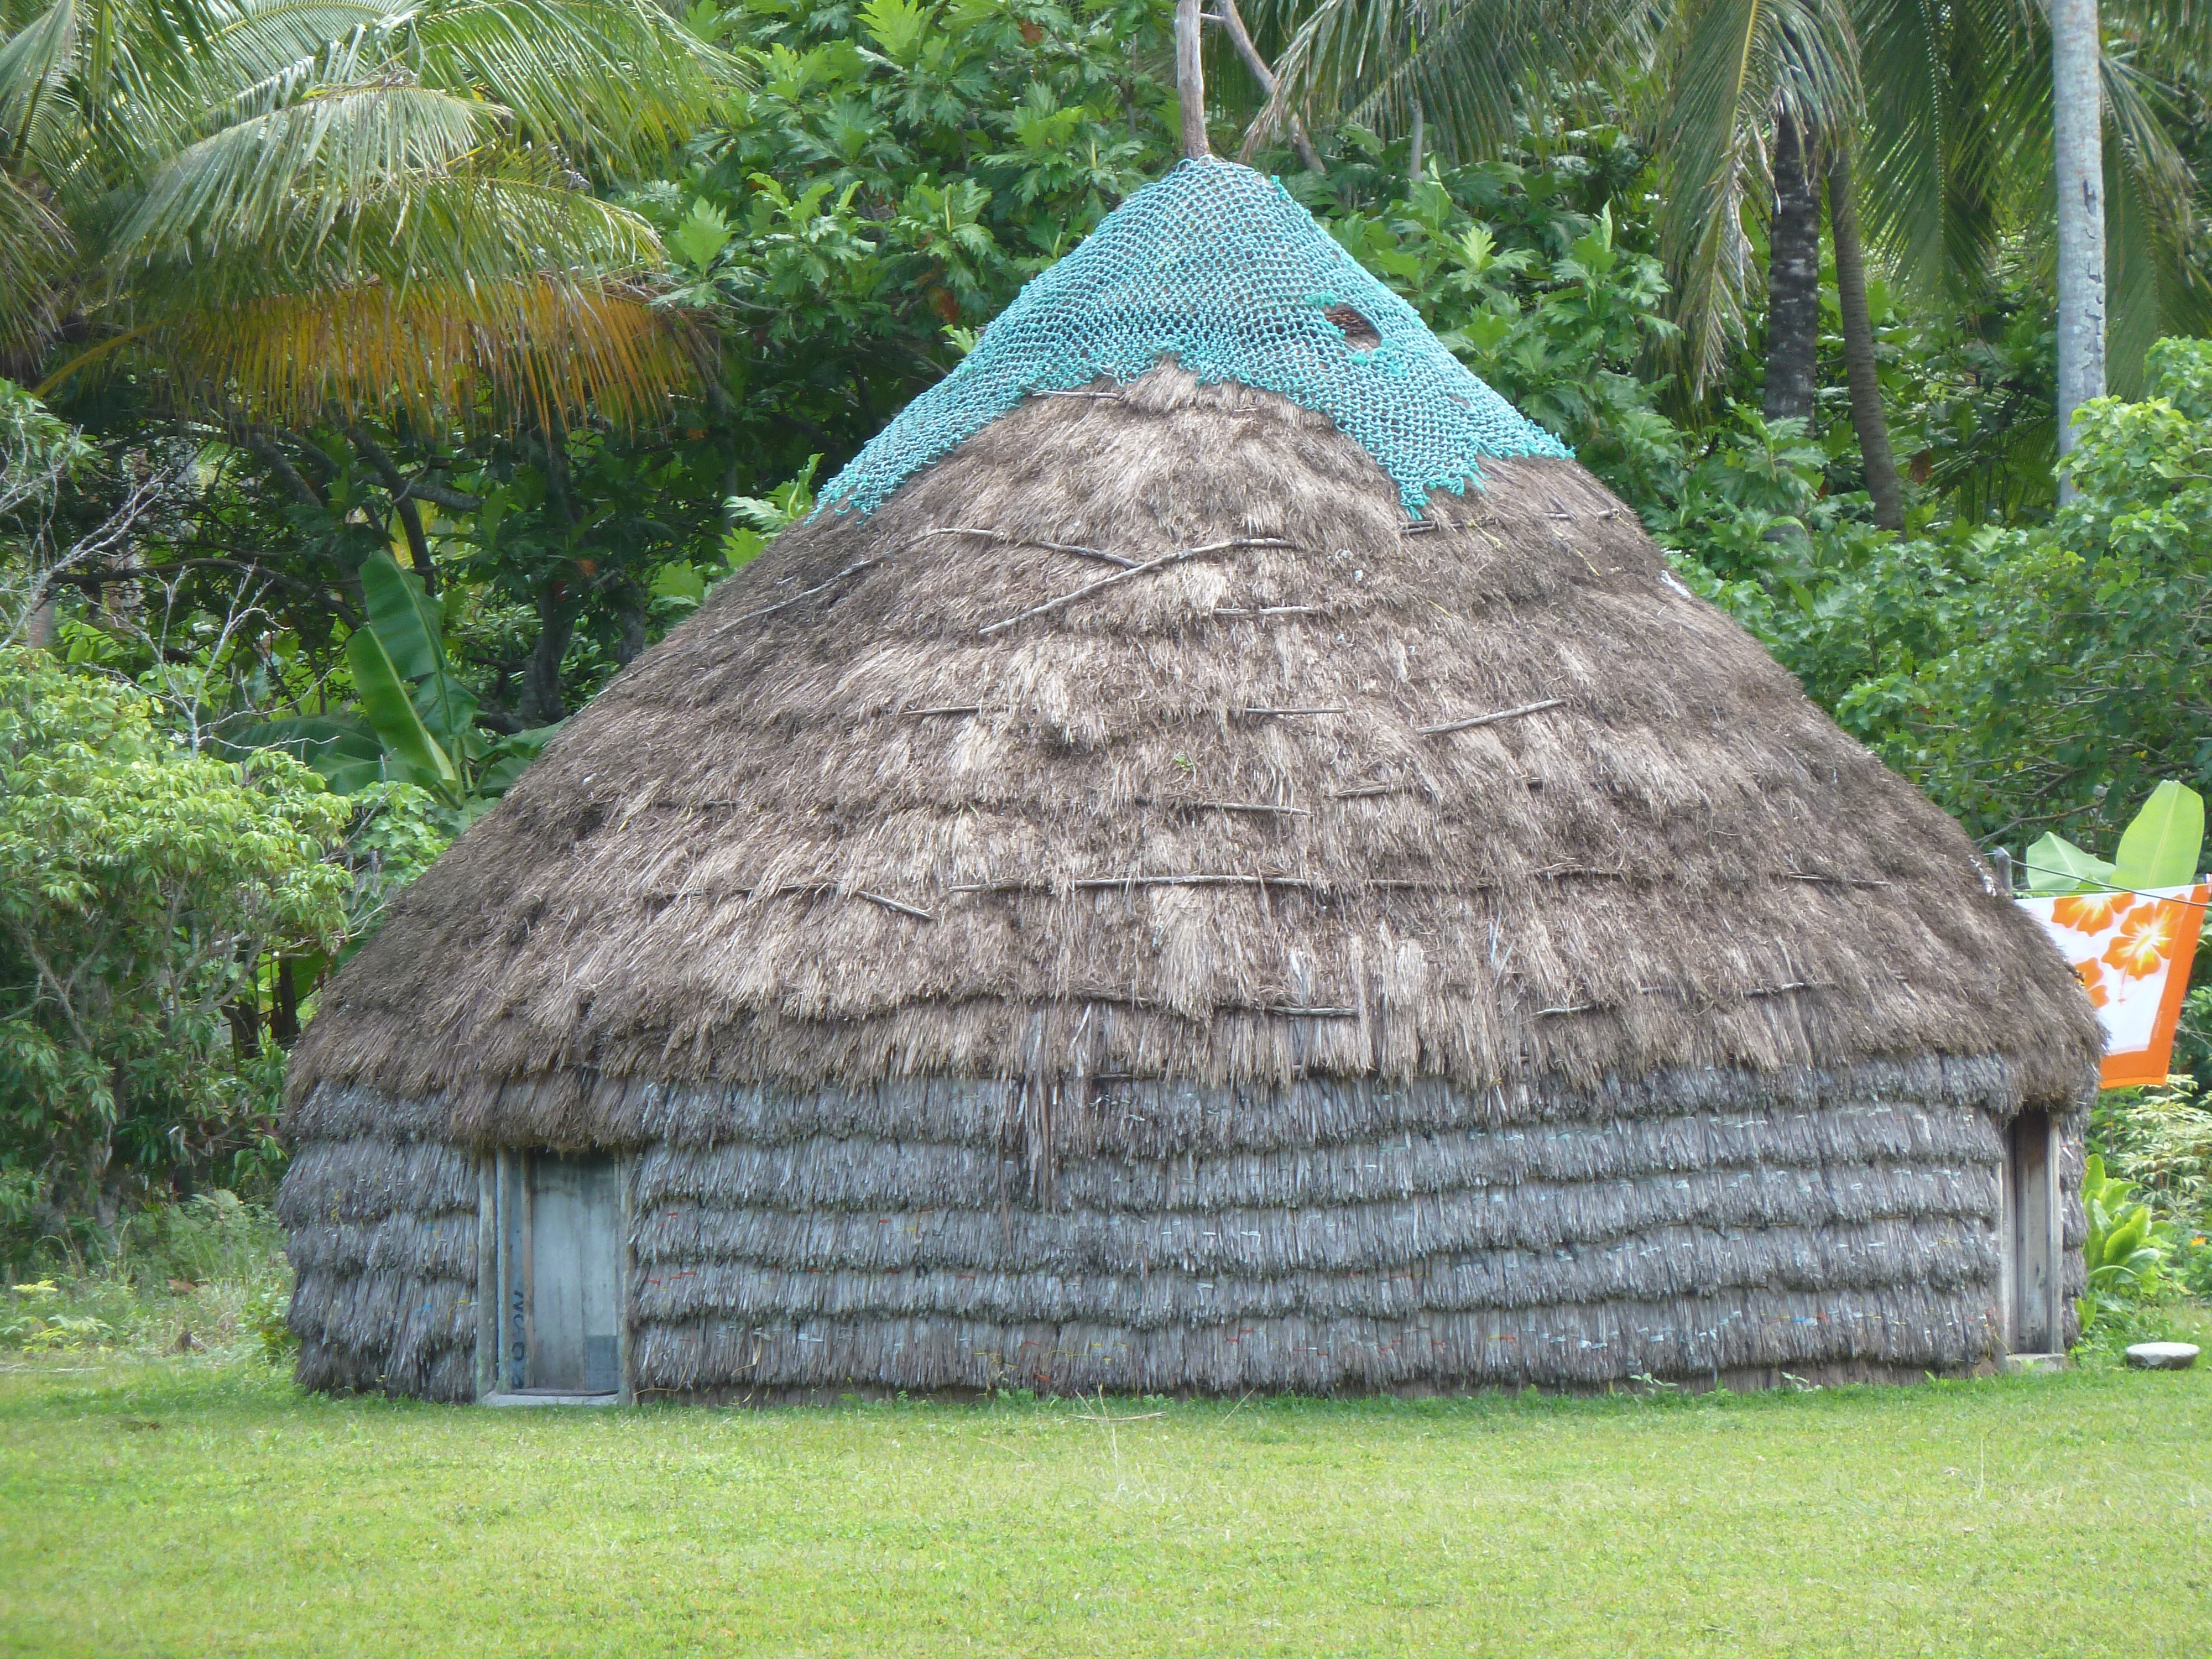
(140, 884)
(205, 1274)
(2125, 1252)
(2160, 1140)
(2027, 677)
(415, 721)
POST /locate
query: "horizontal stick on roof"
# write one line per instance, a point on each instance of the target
(1145, 568)
(889, 904)
(1123, 1000)
(1367, 789)
(1264, 713)
(821, 890)
(1001, 536)
(1252, 806)
(1474, 721)
(853, 569)
(954, 708)
(1267, 611)
(1093, 883)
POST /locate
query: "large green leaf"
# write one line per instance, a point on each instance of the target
(402, 616)
(408, 623)
(416, 756)
(2056, 865)
(343, 748)
(2161, 846)
(505, 760)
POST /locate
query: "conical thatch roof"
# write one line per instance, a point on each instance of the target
(1145, 734)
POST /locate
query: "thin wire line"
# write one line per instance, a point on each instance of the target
(2109, 887)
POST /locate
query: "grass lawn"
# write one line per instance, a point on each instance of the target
(189, 1507)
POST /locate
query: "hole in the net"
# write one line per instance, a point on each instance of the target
(1358, 333)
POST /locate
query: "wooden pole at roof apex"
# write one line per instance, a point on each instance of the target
(1190, 80)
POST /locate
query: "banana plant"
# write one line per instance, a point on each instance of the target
(2160, 848)
(2123, 1252)
(414, 721)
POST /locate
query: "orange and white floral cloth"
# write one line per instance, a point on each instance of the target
(2132, 951)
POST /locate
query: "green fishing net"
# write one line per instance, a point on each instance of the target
(1217, 267)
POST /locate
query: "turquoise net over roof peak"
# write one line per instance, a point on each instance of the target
(1218, 268)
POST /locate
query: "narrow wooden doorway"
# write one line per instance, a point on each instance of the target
(552, 1325)
(2035, 1309)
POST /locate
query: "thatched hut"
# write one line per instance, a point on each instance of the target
(1222, 859)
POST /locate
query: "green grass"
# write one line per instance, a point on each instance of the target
(197, 1506)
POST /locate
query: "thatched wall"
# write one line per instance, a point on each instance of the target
(383, 1225)
(1335, 1237)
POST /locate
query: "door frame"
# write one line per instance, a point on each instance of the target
(503, 1235)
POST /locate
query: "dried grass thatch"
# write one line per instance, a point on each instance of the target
(1136, 824)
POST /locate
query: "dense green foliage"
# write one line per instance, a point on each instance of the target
(2024, 674)
(820, 213)
(1945, 113)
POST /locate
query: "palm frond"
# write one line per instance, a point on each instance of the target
(255, 41)
(1742, 62)
(34, 252)
(615, 78)
(2175, 34)
(291, 176)
(2152, 282)
(546, 348)
(502, 221)
(1904, 162)
(1471, 84)
(1477, 68)
(35, 62)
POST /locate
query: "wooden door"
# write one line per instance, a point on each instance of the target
(556, 1275)
(574, 1275)
(2031, 1235)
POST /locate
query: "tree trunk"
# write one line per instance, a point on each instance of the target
(1233, 21)
(402, 503)
(244, 1010)
(1413, 149)
(1868, 419)
(541, 680)
(2078, 117)
(1793, 279)
(629, 618)
(38, 624)
(1190, 80)
(284, 1017)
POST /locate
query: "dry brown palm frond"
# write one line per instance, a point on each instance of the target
(548, 349)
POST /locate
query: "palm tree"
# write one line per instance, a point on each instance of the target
(2077, 132)
(1755, 104)
(297, 210)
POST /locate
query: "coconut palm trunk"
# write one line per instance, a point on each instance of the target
(2077, 113)
(1793, 281)
(1868, 418)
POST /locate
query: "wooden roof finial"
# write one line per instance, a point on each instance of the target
(1190, 80)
